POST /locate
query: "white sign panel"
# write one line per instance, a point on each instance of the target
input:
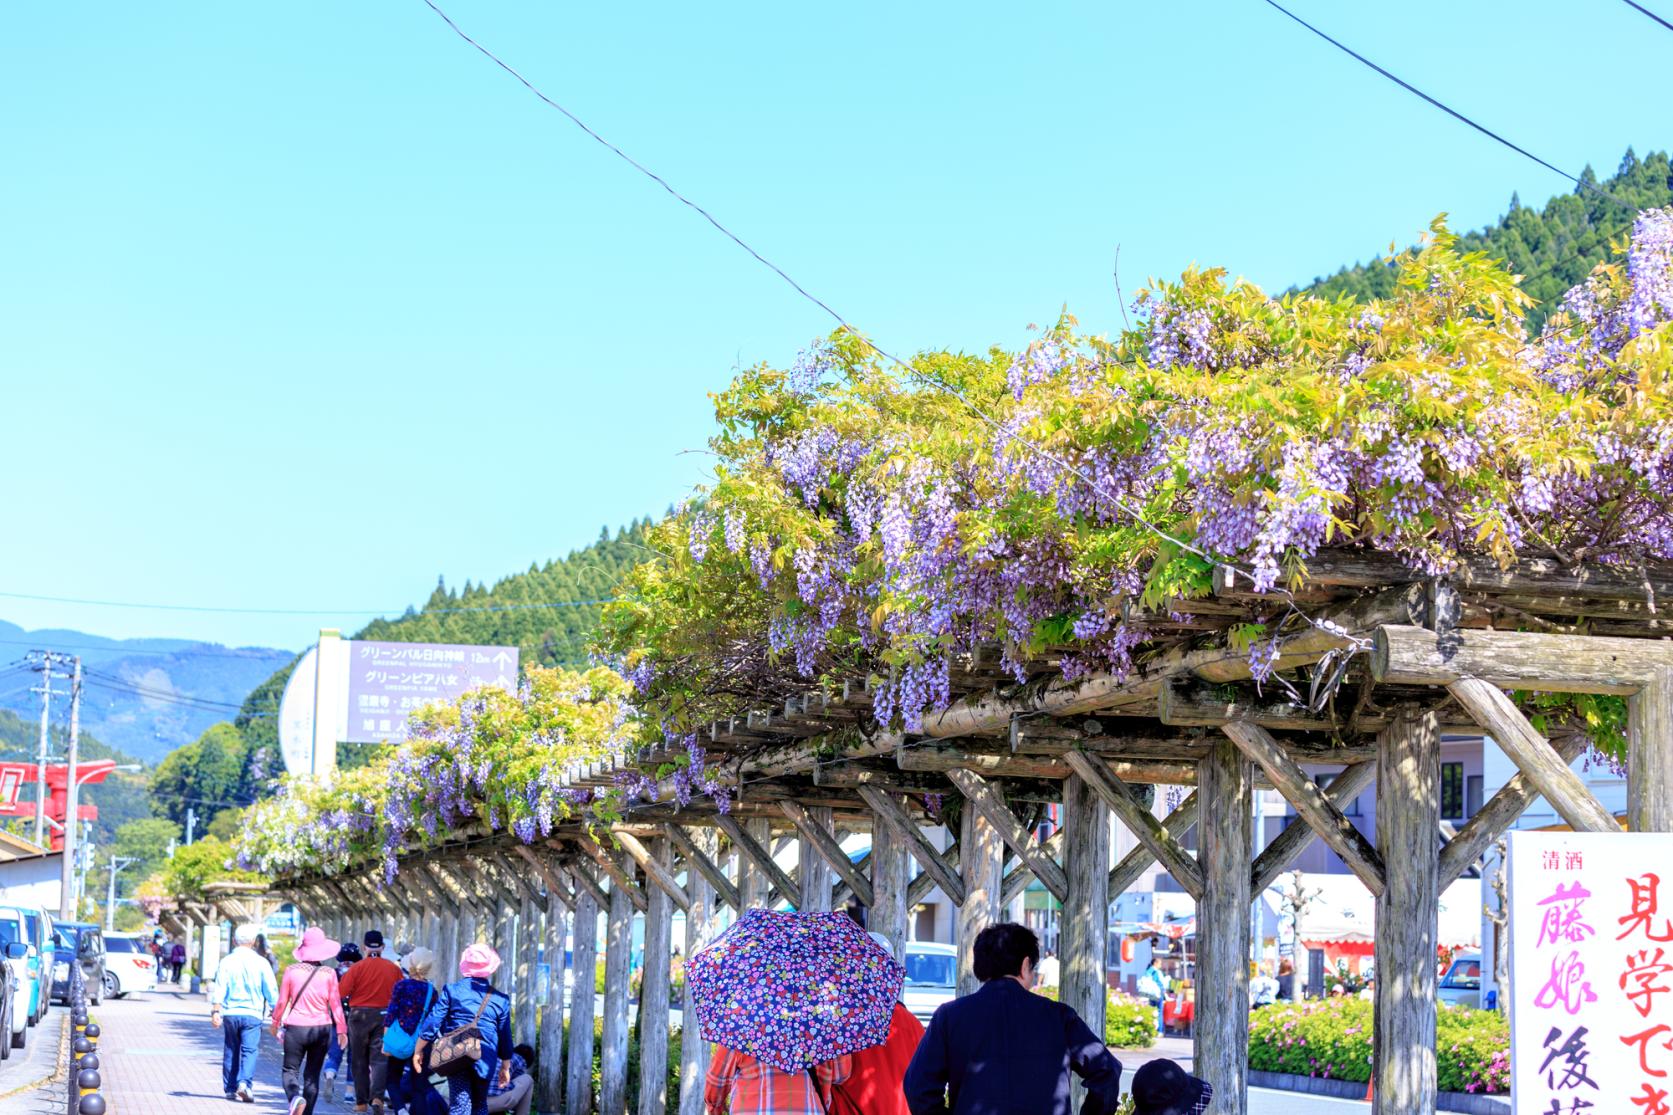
(1591, 973)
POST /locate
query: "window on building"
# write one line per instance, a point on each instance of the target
(1452, 791)
(1472, 795)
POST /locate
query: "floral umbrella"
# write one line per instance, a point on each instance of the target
(792, 990)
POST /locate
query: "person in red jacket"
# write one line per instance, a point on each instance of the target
(874, 1079)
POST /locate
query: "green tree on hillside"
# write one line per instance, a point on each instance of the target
(207, 775)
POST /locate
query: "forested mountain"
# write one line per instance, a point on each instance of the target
(1554, 247)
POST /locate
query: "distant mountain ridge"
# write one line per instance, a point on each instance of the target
(142, 696)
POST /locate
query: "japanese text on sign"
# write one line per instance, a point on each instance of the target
(1591, 972)
(387, 681)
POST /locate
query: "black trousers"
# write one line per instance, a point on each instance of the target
(305, 1048)
(366, 1056)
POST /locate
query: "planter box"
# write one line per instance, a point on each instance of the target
(1468, 1102)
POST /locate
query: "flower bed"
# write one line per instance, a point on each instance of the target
(1331, 1038)
(1129, 1023)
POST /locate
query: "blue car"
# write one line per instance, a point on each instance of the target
(84, 943)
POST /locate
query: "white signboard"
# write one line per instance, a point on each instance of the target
(1591, 973)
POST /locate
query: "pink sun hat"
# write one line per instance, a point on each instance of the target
(315, 946)
(479, 961)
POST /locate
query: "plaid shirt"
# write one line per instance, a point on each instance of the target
(739, 1084)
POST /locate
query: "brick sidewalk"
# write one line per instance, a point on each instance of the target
(159, 1056)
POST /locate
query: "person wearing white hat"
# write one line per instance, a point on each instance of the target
(240, 999)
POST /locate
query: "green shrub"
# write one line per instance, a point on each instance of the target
(1129, 1023)
(1332, 1038)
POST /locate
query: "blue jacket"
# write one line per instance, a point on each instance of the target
(454, 1008)
(1007, 1051)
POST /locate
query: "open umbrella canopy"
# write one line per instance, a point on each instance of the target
(792, 990)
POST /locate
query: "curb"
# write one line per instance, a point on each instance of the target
(61, 1066)
(1468, 1102)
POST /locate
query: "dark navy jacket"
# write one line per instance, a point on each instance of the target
(1007, 1051)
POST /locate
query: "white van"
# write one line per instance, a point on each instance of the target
(26, 973)
(931, 977)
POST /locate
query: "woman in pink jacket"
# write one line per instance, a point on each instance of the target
(310, 1008)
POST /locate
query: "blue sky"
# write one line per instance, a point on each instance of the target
(303, 305)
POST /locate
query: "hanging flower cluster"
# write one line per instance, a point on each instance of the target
(492, 759)
(871, 518)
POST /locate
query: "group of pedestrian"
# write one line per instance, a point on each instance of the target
(409, 1046)
(1001, 1050)
(168, 957)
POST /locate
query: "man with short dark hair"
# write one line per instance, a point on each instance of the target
(1161, 1087)
(367, 989)
(1004, 1050)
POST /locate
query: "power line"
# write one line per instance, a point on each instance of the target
(1452, 112)
(297, 611)
(1649, 13)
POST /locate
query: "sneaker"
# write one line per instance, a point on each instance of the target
(298, 1106)
(328, 1085)
(245, 1094)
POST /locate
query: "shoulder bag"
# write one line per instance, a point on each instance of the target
(458, 1050)
(398, 1041)
(278, 1025)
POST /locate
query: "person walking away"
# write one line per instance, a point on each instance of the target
(367, 989)
(874, 1079)
(517, 1095)
(409, 1002)
(347, 957)
(1050, 970)
(308, 1017)
(266, 953)
(471, 1001)
(1161, 1087)
(1263, 988)
(1003, 1049)
(739, 1084)
(1154, 987)
(1286, 981)
(177, 959)
(243, 995)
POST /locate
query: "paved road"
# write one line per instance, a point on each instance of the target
(38, 1060)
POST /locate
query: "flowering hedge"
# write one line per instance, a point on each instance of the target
(1073, 497)
(1129, 1022)
(1332, 1038)
(493, 758)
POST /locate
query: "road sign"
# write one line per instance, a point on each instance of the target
(387, 681)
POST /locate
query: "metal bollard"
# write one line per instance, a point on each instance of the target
(91, 1105)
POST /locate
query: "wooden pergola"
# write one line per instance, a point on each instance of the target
(1393, 658)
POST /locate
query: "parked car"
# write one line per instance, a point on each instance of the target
(78, 942)
(1461, 986)
(129, 965)
(39, 924)
(26, 974)
(931, 977)
(11, 998)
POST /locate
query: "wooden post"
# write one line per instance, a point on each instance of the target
(578, 1083)
(550, 1048)
(618, 943)
(1408, 813)
(653, 995)
(1650, 754)
(1221, 1031)
(528, 943)
(753, 886)
(701, 923)
(889, 881)
(817, 878)
(982, 863)
(1086, 843)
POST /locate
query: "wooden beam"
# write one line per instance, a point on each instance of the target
(761, 859)
(517, 880)
(1533, 755)
(1358, 568)
(612, 1088)
(655, 990)
(814, 874)
(1221, 1029)
(697, 860)
(1408, 811)
(586, 881)
(1518, 660)
(702, 924)
(654, 869)
(826, 846)
(1018, 877)
(982, 867)
(1491, 820)
(905, 828)
(619, 875)
(755, 886)
(1310, 803)
(1085, 917)
(1188, 703)
(555, 886)
(1650, 754)
(1095, 773)
(982, 796)
(887, 910)
(923, 882)
(578, 1079)
(1348, 784)
(1136, 862)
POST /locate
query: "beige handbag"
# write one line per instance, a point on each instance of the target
(457, 1050)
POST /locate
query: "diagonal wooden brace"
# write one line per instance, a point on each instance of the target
(1138, 861)
(887, 808)
(519, 879)
(981, 794)
(588, 882)
(1287, 845)
(654, 871)
(556, 888)
(1310, 802)
(1016, 880)
(704, 866)
(761, 858)
(1492, 819)
(923, 882)
(612, 867)
(827, 848)
(1096, 773)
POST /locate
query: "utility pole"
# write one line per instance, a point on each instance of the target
(117, 863)
(191, 823)
(40, 764)
(67, 874)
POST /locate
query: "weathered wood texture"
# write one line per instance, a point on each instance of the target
(990, 803)
(578, 1069)
(700, 852)
(1517, 660)
(1085, 917)
(1276, 858)
(1225, 782)
(819, 840)
(525, 1012)
(889, 881)
(549, 1051)
(1408, 812)
(982, 863)
(816, 878)
(701, 924)
(1161, 843)
(1136, 862)
(1471, 842)
(656, 871)
(621, 877)
(656, 986)
(1650, 754)
(618, 945)
(903, 827)
(762, 873)
(1533, 755)
(1310, 802)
